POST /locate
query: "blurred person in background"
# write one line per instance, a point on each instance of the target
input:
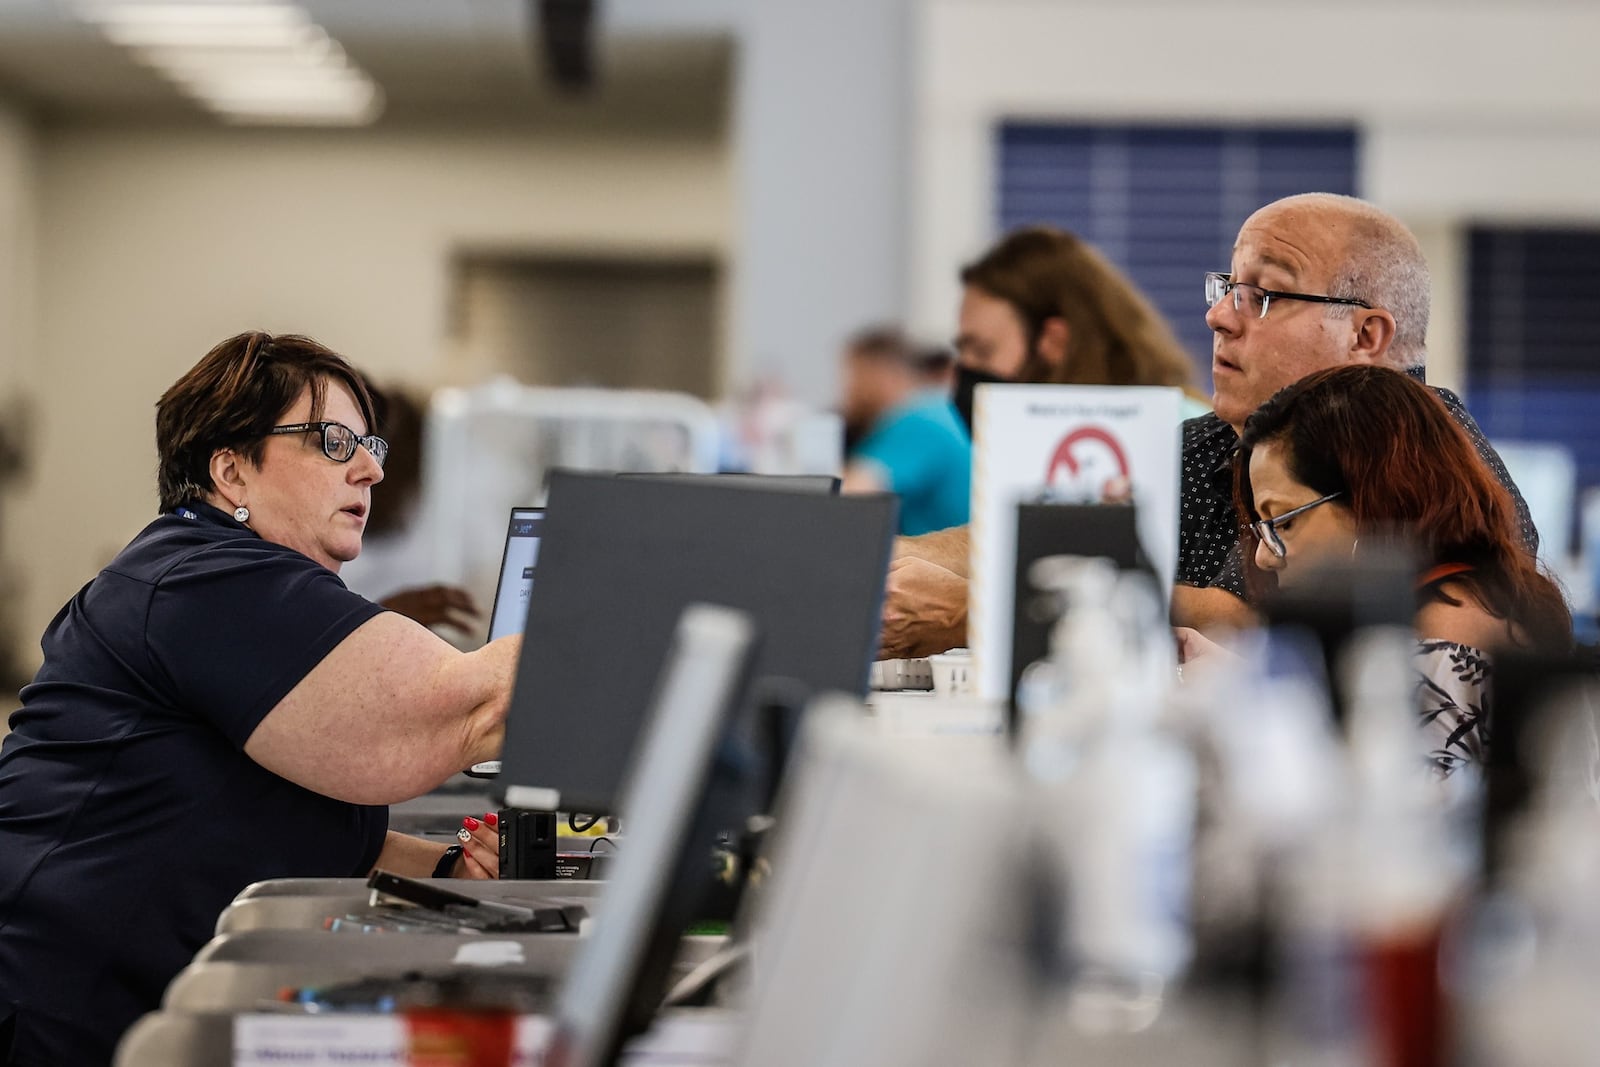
(935, 372)
(1353, 458)
(394, 550)
(1042, 306)
(910, 442)
(1317, 281)
(936, 369)
(216, 708)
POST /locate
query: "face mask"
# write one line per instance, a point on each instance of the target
(967, 380)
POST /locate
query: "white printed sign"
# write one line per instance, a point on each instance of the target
(1077, 443)
(319, 1039)
(340, 1040)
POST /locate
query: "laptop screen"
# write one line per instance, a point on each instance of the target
(516, 573)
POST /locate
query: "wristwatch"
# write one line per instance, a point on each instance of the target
(447, 862)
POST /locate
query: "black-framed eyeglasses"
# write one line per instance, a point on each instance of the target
(1252, 300)
(339, 441)
(1267, 529)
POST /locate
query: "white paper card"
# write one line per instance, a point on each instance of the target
(1072, 441)
(318, 1040)
(339, 1040)
(483, 952)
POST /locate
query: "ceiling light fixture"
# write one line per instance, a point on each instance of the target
(247, 61)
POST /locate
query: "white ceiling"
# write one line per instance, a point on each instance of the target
(438, 61)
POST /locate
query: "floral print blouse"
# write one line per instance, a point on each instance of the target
(1453, 697)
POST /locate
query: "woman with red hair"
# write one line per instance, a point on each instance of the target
(1359, 455)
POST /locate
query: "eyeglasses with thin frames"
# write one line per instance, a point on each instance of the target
(1252, 300)
(1266, 530)
(339, 442)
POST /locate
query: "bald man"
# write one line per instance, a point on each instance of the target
(1317, 281)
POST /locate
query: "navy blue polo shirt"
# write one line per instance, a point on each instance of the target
(129, 814)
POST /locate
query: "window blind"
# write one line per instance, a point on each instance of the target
(1533, 338)
(1164, 202)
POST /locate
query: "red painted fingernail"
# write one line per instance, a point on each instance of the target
(470, 823)
(491, 818)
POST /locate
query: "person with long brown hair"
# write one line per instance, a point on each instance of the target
(1042, 306)
(1351, 458)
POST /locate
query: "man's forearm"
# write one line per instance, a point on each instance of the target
(409, 856)
(1207, 609)
(950, 549)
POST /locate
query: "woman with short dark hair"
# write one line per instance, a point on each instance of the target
(216, 708)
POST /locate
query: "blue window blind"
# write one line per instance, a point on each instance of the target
(1533, 338)
(1164, 202)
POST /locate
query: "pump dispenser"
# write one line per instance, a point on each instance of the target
(1526, 963)
(1411, 869)
(1367, 892)
(1115, 793)
(1060, 696)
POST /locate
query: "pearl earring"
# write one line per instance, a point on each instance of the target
(241, 513)
(1353, 546)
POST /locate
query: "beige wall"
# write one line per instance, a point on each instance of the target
(155, 244)
(18, 191)
(18, 218)
(638, 324)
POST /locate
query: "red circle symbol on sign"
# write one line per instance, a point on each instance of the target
(1070, 456)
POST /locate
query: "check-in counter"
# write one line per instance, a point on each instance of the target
(390, 949)
(349, 898)
(245, 973)
(235, 985)
(699, 1037)
(343, 887)
(163, 1039)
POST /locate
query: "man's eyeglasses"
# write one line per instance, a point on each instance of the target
(1267, 529)
(1252, 300)
(339, 441)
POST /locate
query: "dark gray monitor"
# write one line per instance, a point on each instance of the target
(794, 483)
(1044, 529)
(619, 561)
(619, 978)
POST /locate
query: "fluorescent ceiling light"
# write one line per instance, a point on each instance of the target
(290, 117)
(224, 61)
(273, 36)
(323, 111)
(197, 15)
(285, 90)
(246, 60)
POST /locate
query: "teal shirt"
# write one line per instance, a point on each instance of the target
(925, 456)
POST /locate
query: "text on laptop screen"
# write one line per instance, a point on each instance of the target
(516, 573)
